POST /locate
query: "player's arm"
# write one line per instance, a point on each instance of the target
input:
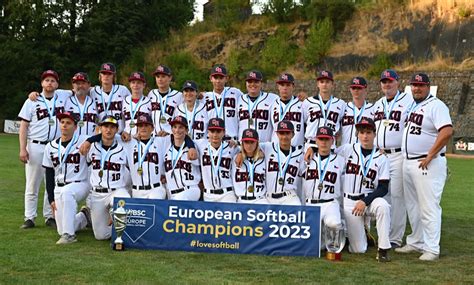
(23, 134)
(444, 135)
(49, 174)
(381, 191)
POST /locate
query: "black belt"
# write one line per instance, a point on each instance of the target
(178, 190)
(392, 151)
(218, 191)
(312, 201)
(354, 197)
(279, 195)
(39, 142)
(247, 198)
(423, 156)
(103, 190)
(147, 187)
(66, 183)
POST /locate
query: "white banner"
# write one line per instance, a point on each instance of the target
(11, 127)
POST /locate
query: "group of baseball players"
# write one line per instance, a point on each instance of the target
(356, 160)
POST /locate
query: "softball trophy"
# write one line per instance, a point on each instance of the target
(335, 240)
(120, 222)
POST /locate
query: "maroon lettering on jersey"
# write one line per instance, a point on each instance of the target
(396, 115)
(379, 116)
(198, 125)
(181, 164)
(333, 116)
(72, 158)
(89, 117)
(347, 120)
(371, 174)
(127, 115)
(225, 161)
(108, 165)
(244, 176)
(257, 114)
(228, 102)
(330, 177)
(289, 116)
(155, 106)
(151, 157)
(416, 119)
(352, 168)
(42, 113)
(313, 116)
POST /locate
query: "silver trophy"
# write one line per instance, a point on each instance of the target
(120, 222)
(335, 239)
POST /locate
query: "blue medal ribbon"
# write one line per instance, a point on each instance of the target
(190, 121)
(174, 159)
(104, 155)
(388, 107)
(325, 107)
(112, 93)
(83, 110)
(133, 111)
(252, 105)
(365, 165)
(215, 167)
(358, 117)
(63, 158)
(51, 110)
(220, 108)
(165, 104)
(282, 170)
(322, 170)
(283, 111)
(141, 156)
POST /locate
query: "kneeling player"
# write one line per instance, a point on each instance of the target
(67, 170)
(322, 178)
(365, 183)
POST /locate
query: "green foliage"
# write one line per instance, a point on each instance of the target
(464, 12)
(319, 42)
(239, 62)
(280, 10)
(227, 14)
(381, 63)
(338, 11)
(279, 52)
(185, 68)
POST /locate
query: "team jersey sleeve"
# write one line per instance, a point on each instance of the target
(46, 157)
(343, 150)
(25, 112)
(440, 115)
(384, 169)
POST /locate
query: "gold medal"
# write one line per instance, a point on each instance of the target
(386, 123)
(132, 124)
(162, 119)
(51, 122)
(140, 170)
(250, 189)
(251, 121)
(97, 121)
(280, 181)
(320, 187)
(80, 123)
(101, 173)
(364, 180)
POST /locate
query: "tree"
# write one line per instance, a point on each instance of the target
(280, 10)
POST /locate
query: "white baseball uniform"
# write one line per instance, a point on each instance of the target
(355, 189)
(423, 188)
(282, 169)
(291, 111)
(86, 112)
(43, 127)
(389, 138)
(332, 169)
(131, 110)
(109, 177)
(257, 112)
(110, 103)
(353, 115)
(163, 106)
(224, 106)
(245, 190)
(182, 174)
(71, 182)
(197, 119)
(217, 168)
(318, 114)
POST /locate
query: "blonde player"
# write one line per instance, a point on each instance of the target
(365, 183)
(164, 100)
(288, 107)
(193, 110)
(216, 164)
(182, 173)
(254, 107)
(282, 164)
(69, 176)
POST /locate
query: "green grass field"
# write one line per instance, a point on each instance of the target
(31, 256)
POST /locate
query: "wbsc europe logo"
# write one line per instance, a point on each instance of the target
(140, 219)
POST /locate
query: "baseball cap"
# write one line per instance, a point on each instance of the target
(420, 79)
(286, 78)
(219, 69)
(358, 82)
(162, 69)
(80, 76)
(68, 115)
(144, 119)
(250, 135)
(365, 122)
(108, 120)
(285, 126)
(216, 124)
(179, 120)
(324, 132)
(137, 75)
(324, 74)
(189, 84)
(107, 68)
(389, 74)
(254, 75)
(50, 73)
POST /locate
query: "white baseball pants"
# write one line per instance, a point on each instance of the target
(66, 198)
(395, 198)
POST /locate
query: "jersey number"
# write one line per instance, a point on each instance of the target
(115, 176)
(415, 130)
(394, 126)
(262, 125)
(189, 176)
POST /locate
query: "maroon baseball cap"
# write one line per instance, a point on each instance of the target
(250, 135)
(324, 132)
(358, 82)
(162, 69)
(254, 75)
(137, 75)
(50, 73)
(366, 122)
(219, 69)
(80, 76)
(67, 115)
(285, 126)
(286, 78)
(389, 74)
(144, 119)
(324, 74)
(420, 79)
(216, 124)
(107, 68)
(179, 120)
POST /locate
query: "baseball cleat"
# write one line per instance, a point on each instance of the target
(406, 249)
(28, 224)
(50, 222)
(395, 245)
(382, 255)
(67, 239)
(428, 256)
(87, 213)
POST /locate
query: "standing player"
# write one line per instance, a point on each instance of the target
(66, 168)
(282, 164)
(390, 114)
(254, 107)
(216, 163)
(249, 177)
(288, 107)
(109, 96)
(222, 101)
(164, 100)
(82, 105)
(193, 110)
(322, 179)
(356, 110)
(135, 105)
(182, 174)
(426, 134)
(38, 126)
(323, 109)
(365, 183)
(109, 176)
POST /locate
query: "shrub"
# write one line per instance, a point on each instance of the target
(278, 53)
(381, 63)
(338, 11)
(318, 42)
(280, 10)
(184, 68)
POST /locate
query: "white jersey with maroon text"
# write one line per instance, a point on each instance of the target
(293, 112)
(258, 112)
(226, 110)
(317, 114)
(86, 113)
(241, 178)
(197, 119)
(169, 102)
(110, 103)
(180, 171)
(143, 106)
(353, 115)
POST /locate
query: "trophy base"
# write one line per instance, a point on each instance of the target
(332, 256)
(118, 247)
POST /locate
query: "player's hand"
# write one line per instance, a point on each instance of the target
(232, 143)
(126, 136)
(192, 154)
(33, 96)
(162, 134)
(24, 156)
(425, 161)
(53, 207)
(84, 148)
(359, 208)
(163, 180)
(302, 96)
(200, 95)
(239, 158)
(309, 153)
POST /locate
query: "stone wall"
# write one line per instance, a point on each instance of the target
(456, 89)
